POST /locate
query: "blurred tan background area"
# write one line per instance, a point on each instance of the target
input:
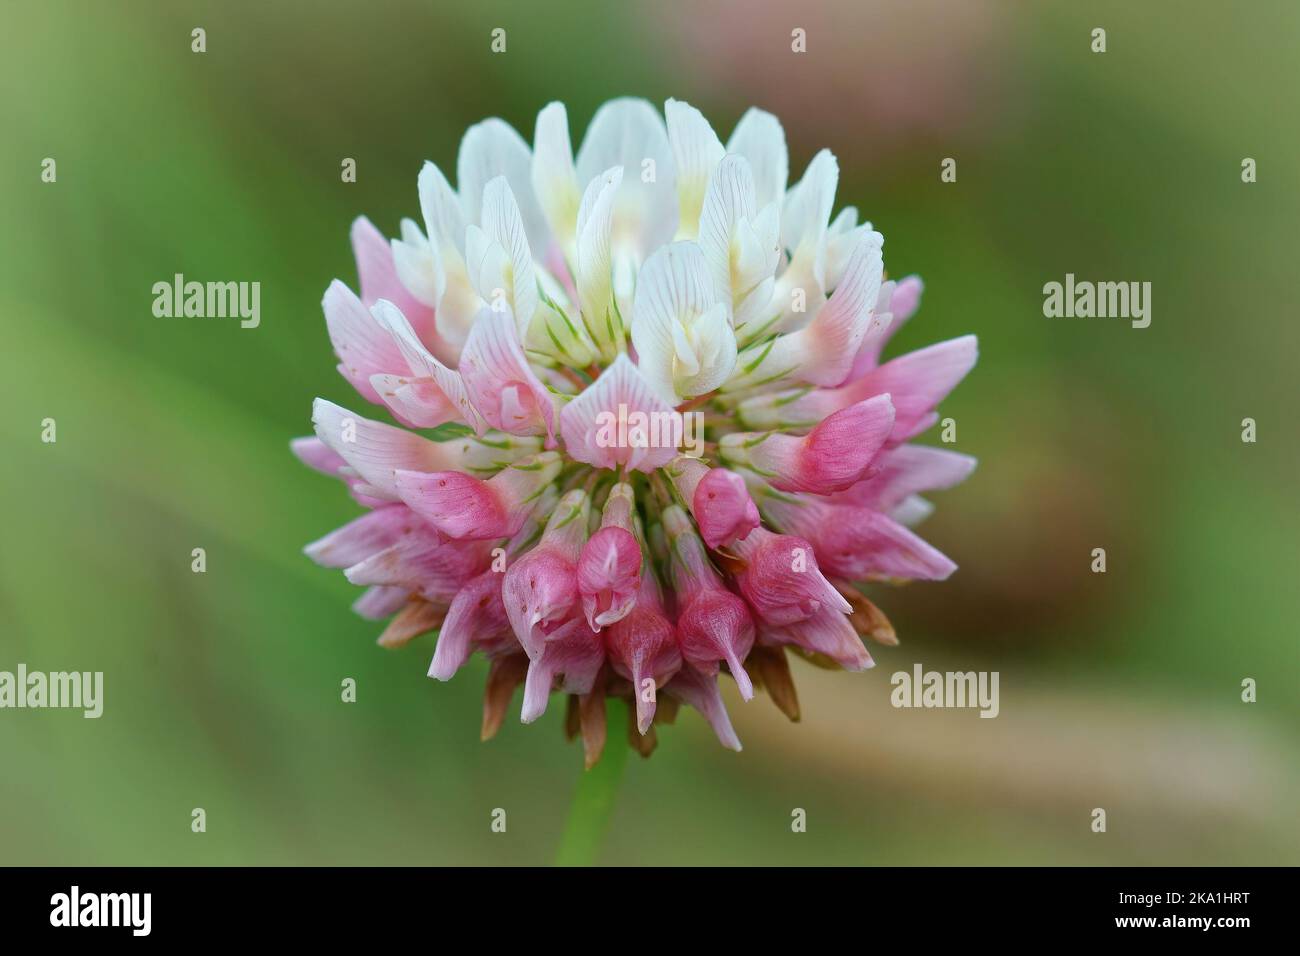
(1119, 690)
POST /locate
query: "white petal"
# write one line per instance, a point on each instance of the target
(841, 245)
(560, 336)
(715, 344)
(756, 308)
(799, 276)
(804, 218)
(685, 361)
(759, 138)
(444, 219)
(730, 198)
(807, 210)
(595, 292)
(416, 266)
(696, 151)
(487, 264)
(490, 149)
(822, 353)
(554, 177)
(631, 134)
(767, 227)
(673, 289)
(457, 309)
(752, 261)
(760, 255)
(503, 222)
(845, 222)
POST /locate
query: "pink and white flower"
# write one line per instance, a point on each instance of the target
(657, 274)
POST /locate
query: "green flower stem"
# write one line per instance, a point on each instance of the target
(593, 802)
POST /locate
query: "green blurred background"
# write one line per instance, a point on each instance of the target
(1119, 691)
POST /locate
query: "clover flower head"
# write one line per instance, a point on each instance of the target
(644, 433)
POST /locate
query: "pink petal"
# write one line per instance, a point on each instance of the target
(379, 603)
(418, 403)
(908, 470)
(838, 452)
(716, 626)
(643, 646)
(377, 451)
(782, 581)
(541, 587)
(701, 692)
(574, 655)
(378, 279)
(718, 499)
(476, 616)
(363, 346)
(317, 455)
(827, 632)
(915, 382)
(620, 508)
(456, 504)
(832, 457)
(423, 563)
(500, 383)
(609, 576)
(847, 321)
(723, 508)
(691, 570)
(919, 381)
(359, 539)
(539, 590)
(902, 305)
(432, 393)
(856, 543)
(620, 421)
(461, 506)
(906, 299)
